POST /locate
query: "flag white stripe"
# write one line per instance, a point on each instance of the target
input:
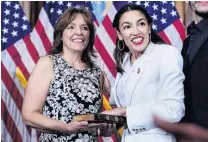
(106, 41)
(176, 41)
(5, 137)
(34, 136)
(112, 12)
(37, 42)
(104, 68)
(25, 55)
(11, 69)
(46, 24)
(107, 139)
(14, 113)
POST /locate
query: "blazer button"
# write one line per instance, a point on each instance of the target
(138, 70)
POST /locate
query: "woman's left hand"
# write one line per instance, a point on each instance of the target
(120, 111)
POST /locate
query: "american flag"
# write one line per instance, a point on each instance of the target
(21, 48)
(15, 30)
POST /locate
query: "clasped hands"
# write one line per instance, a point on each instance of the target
(106, 129)
(102, 129)
(97, 129)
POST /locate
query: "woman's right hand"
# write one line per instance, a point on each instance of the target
(80, 126)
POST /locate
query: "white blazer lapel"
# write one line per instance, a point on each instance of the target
(134, 78)
(138, 70)
(140, 67)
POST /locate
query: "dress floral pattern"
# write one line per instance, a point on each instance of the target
(71, 92)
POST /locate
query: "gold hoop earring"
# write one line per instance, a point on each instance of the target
(118, 45)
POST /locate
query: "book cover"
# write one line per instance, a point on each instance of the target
(101, 118)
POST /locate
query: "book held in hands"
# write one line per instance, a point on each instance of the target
(101, 118)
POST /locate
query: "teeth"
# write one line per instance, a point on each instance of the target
(137, 39)
(77, 40)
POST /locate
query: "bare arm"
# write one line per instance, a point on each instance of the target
(35, 96)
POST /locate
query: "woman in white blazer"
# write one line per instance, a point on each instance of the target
(149, 80)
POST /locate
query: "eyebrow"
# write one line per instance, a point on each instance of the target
(137, 21)
(80, 25)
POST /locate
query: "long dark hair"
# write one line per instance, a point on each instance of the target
(64, 20)
(119, 54)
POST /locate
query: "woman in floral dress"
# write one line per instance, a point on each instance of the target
(65, 83)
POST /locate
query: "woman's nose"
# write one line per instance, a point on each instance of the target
(78, 30)
(136, 30)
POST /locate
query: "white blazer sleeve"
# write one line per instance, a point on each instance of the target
(169, 104)
(111, 99)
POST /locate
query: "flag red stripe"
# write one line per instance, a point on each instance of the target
(17, 59)
(107, 96)
(180, 28)
(96, 23)
(110, 30)
(11, 87)
(9, 123)
(164, 37)
(100, 139)
(31, 48)
(105, 56)
(43, 36)
(114, 137)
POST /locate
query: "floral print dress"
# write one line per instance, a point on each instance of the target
(71, 92)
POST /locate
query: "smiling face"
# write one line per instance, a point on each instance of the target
(134, 30)
(76, 34)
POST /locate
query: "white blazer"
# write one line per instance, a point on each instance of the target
(154, 87)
